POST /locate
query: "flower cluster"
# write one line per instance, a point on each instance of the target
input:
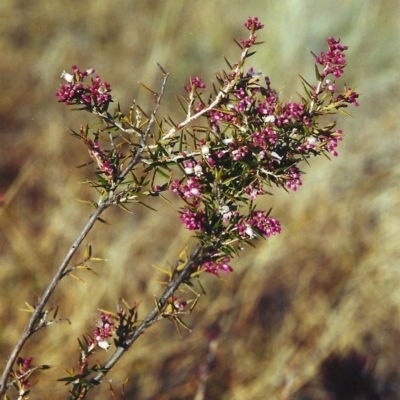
(350, 96)
(254, 141)
(24, 366)
(253, 24)
(75, 91)
(334, 59)
(194, 219)
(251, 141)
(294, 177)
(215, 266)
(195, 83)
(104, 330)
(107, 161)
(260, 221)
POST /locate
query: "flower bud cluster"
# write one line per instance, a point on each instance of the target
(24, 365)
(251, 141)
(107, 162)
(254, 141)
(104, 330)
(253, 25)
(195, 83)
(75, 91)
(334, 60)
(213, 266)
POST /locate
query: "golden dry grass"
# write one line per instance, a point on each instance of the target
(329, 283)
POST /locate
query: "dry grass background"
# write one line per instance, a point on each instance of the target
(329, 283)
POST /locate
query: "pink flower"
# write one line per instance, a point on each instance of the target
(293, 178)
(213, 267)
(103, 331)
(253, 23)
(334, 59)
(194, 220)
(259, 221)
(195, 83)
(24, 365)
(75, 92)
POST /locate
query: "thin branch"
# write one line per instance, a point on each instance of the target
(312, 104)
(205, 369)
(221, 94)
(30, 328)
(143, 139)
(38, 311)
(153, 316)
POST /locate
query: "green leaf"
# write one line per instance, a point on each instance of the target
(146, 205)
(345, 113)
(102, 180)
(307, 92)
(181, 103)
(317, 74)
(229, 65)
(162, 173)
(241, 47)
(250, 54)
(147, 88)
(87, 252)
(102, 220)
(124, 208)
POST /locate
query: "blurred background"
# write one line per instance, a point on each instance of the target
(310, 314)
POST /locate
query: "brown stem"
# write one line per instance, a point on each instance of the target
(38, 311)
(154, 314)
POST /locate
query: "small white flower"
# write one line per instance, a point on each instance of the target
(68, 77)
(261, 155)
(276, 156)
(102, 89)
(225, 212)
(91, 347)
(104, 344)
(256, 74)
(205, 150)
(198, 170)
(189, 170)
(228, 141)
(195, 192)
(224, 209)
(270, 118)
(249, 231)
(312, 140)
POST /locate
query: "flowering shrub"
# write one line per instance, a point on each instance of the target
(246, 140)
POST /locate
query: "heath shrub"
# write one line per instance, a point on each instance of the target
(234, 144)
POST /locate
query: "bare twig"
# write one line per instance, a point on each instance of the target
(104, 203)
(38, 311)
(107, 201)
(153, 316)
(143, 140)
(221, 94)
(312, 104)
(206, 368)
